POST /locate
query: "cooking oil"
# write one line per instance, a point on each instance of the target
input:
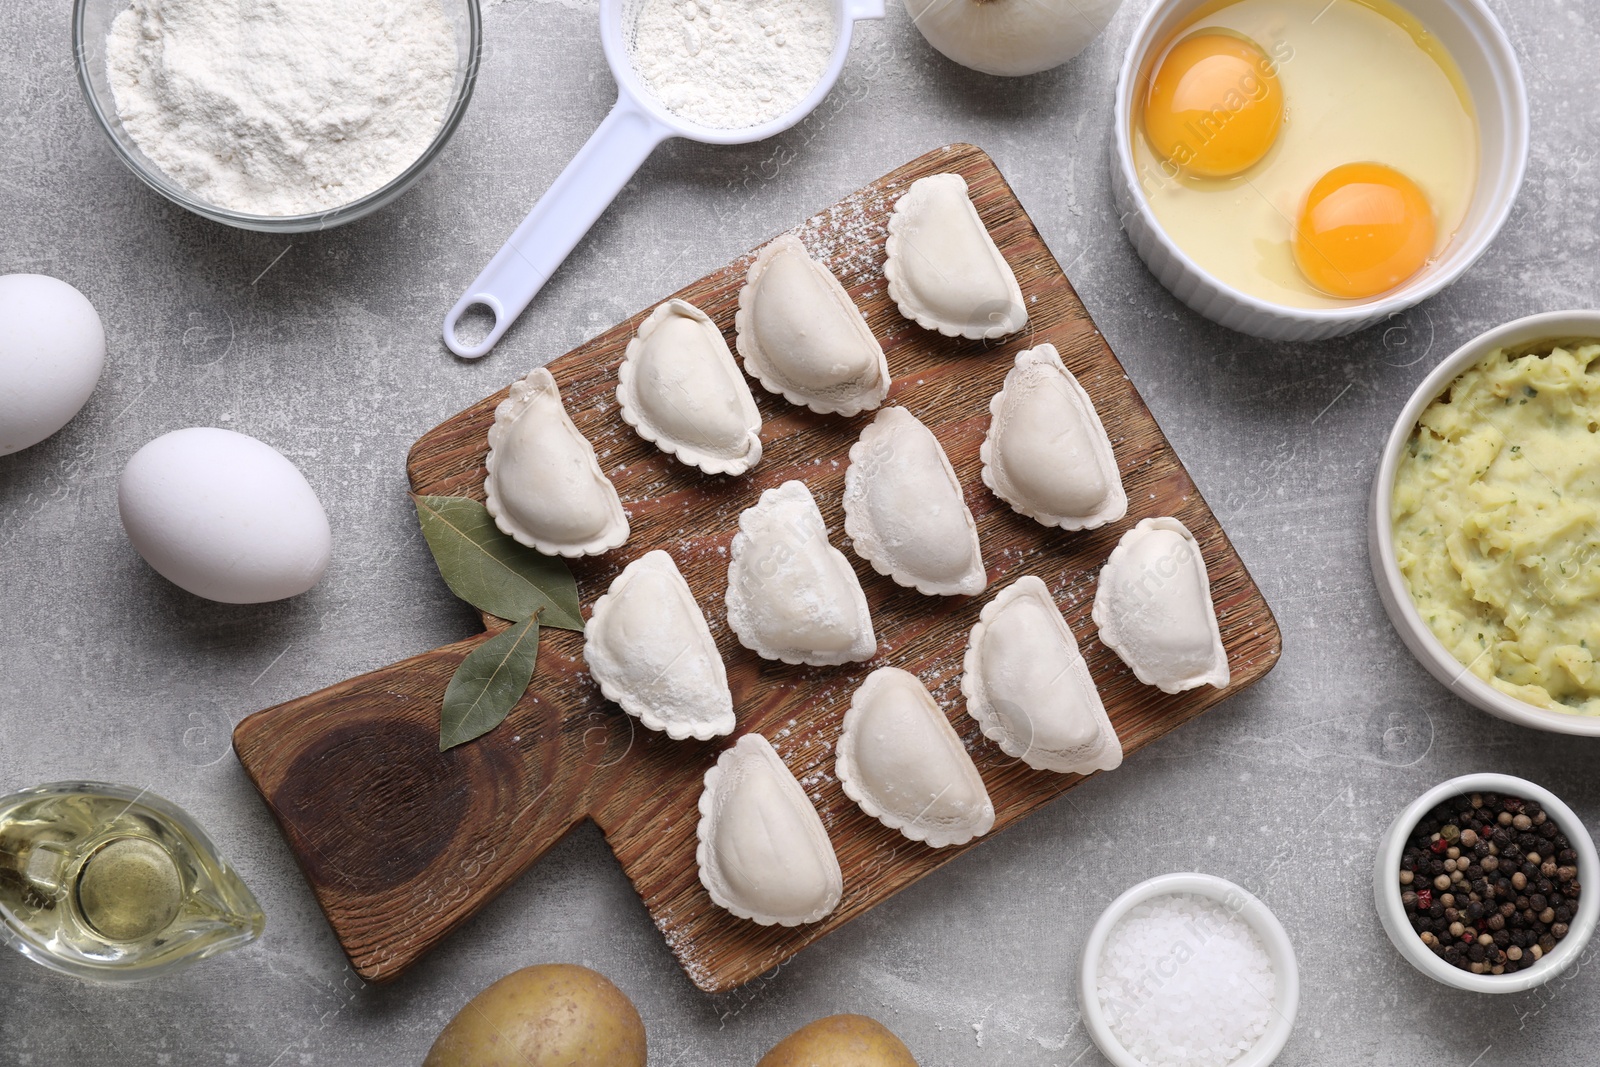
(106, 882)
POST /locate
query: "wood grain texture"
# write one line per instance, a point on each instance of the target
(401, 843)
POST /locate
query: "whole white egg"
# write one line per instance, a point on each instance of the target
(224, 516)
(52, 349)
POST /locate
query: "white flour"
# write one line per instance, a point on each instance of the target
(282, 107)
(730, 64)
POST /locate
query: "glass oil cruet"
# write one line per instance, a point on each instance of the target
(110, 883)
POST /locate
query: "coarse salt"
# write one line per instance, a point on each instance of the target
(1184, 980)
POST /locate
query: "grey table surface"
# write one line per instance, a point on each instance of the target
(326, 346)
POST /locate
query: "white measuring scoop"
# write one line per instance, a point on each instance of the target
(637, 123)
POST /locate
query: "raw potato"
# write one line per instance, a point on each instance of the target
(840, 1041)
(553, 1015)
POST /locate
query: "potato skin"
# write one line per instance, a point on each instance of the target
(552, 1015)
(840, 1041)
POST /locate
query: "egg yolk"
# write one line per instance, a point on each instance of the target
(1365, 228)
(1214, 106)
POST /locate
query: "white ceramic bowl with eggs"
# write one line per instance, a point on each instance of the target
(1238, 902)
(1488, 64)
(1392, 588)
(1392, 913)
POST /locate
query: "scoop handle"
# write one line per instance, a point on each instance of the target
(558, 222)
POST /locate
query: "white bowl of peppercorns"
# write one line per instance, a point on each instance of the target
(1480, 884)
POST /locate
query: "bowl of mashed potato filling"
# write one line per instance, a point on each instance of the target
(1485, 522)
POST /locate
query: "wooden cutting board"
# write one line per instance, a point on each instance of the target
(402, 843)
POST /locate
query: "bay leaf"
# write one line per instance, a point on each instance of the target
(488, 684)
(491, 571)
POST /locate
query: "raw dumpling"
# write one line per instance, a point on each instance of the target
(944, 270)
(649, 648)
(1029, 688)
(1046, 453)
(904, 511)
(1154, 609)
(545, 487)
(903, 763)
(791, 595)
(680, 389)
(764, 854)
(801, 335)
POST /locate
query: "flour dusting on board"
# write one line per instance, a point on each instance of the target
(849, 236)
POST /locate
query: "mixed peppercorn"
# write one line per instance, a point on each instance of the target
(1489, 883)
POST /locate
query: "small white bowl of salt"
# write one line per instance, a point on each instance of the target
(1188, 970)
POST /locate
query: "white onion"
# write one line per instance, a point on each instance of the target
(1011, 37)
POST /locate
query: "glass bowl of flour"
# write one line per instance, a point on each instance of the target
(278, 115)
